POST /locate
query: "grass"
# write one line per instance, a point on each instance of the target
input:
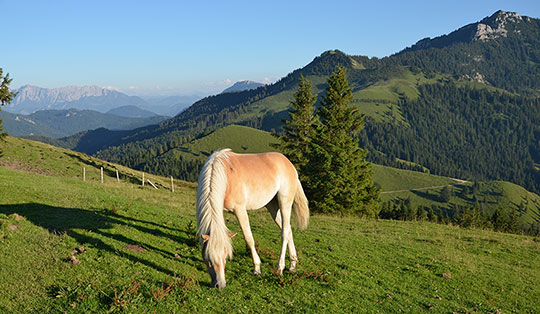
(36, 157)
(71, 246)
(346, 264)
(240, 139)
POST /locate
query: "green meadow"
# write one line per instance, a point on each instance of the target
(69, 246)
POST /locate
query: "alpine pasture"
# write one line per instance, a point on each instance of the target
(74, 246)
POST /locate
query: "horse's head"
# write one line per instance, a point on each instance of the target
(215, 258)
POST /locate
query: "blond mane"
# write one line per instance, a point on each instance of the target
(210, 197)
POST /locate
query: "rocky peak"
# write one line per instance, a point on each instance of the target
(500, 24)
(56, 95)
(495, 26)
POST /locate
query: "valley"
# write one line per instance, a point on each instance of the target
(63, 123)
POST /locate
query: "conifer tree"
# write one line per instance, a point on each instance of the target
(339, 179)
(299, 128)
(5, 96)
(445, 194)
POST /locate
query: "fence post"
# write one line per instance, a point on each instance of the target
(152, 184)
(172, 184)
(101, 174)
(117, 176)
(143, 179)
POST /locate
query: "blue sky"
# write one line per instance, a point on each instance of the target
(201, 47)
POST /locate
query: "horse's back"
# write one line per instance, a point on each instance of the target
(254, 179)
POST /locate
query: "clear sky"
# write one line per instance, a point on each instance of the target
(187, 47)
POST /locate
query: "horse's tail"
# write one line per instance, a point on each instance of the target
(300, 206)
(211, 190)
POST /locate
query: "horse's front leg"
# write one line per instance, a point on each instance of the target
(243, 219)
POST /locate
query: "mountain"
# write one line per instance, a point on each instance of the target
(131, 112)
(465, 108)
(32, 98)
(502, 50)
(495, 26)
(169, 105)
(61, 123)
(242, 86)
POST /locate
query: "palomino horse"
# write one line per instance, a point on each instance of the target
(240, 182)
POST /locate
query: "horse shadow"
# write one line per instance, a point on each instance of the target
(81, 224)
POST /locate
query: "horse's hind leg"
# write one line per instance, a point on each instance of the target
(243, 219)
(273, 208)
(285, 208)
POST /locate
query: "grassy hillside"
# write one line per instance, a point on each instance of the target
(421, 189)
(240, 139)
(73, 246)
(35, 157)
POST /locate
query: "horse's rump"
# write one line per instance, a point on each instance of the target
(254, 179)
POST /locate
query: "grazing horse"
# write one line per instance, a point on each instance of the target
(240, 182)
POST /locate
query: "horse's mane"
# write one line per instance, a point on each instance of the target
(210, 197)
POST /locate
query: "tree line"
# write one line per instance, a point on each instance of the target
(465, 217)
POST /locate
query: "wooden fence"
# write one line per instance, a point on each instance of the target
(132, 176)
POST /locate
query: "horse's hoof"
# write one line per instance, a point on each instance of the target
(257, 272)
(292, 270)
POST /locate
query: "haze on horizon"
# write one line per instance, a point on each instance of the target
(176, 48)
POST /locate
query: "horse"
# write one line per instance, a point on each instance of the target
(238, 183)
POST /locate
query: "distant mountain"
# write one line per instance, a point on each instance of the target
(170, 105)
(32, 98)
(242, 86)
(131, 112)
(62, 123)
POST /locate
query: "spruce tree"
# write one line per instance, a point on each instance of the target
(446, 194)
(339, 179)
(5, 96)
(299, 129)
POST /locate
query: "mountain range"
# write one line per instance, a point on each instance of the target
(465, 105)
(32, 98)
(62, 123)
